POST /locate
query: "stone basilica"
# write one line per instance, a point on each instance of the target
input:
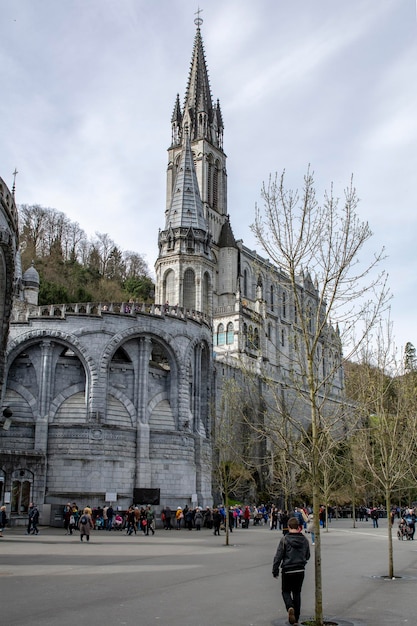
(106, 402)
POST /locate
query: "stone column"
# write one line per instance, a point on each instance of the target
(143, 464)
(197, 387)
(45, 377)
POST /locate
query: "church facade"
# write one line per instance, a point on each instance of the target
(110, 400)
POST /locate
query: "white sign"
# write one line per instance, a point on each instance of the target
(111, 496)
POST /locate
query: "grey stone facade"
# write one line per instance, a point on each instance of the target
(108, 398)
(102, 401)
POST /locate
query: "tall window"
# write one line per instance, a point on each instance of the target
(272, 297)
(245, 283)
(21, 491)
(216, 186)
(210, 180)
(205, 296)
(284, 304)
(230, 333)
(189, 289)
(169, 288)
(220, 335)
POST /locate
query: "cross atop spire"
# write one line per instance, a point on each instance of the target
(15, 173)
(198, 20)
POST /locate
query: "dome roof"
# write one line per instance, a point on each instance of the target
(31, 276)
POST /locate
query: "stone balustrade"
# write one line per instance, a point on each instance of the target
(119, 308)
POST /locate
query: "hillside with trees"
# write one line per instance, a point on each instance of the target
(76, 268)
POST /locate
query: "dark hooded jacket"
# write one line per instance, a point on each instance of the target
(292, 554)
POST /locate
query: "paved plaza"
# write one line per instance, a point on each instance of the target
(191, 578)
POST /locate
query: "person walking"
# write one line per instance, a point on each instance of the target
(292, 554)
(310, 527)
(33, 520)
(217, 520)
(86, 524)
(3, 519)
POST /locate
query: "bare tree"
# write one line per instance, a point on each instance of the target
(230, 463)
(387, 439)
(302, 236)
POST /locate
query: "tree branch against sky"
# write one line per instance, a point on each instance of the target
(326, 239)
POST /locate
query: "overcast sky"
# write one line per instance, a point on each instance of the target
(88, 88)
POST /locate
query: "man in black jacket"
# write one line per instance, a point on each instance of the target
(292, 554)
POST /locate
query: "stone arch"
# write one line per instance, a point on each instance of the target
(166, 419)
(168, 287)
(157, 337)
(25, 394)
(127, 404)
(59, 400)
(67, 339)
(86, 365)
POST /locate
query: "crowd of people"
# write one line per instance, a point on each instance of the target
(143, 519)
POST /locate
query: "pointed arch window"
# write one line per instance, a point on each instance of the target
(220, 335)
(169, 288)
(205, 296)
(210, 168)
(310, 318)
(230, 333)
(189, 289)
(284, 304)
(22, 481)
(216, 185)
(190, 240)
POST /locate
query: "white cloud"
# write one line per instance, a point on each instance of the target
(88, 91)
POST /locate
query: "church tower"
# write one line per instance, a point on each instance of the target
(196, 206)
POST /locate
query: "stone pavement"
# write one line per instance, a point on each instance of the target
(193, 579)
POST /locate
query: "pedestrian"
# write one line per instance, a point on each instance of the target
(150, 517)
(284, 522)
(166, 518)
(310, 527)
(110, 514)
(179, 515)
(292, 554)
(3, 519)
(86, 524)
(374, 517)
(67, 516)
(198, 518)
(246, 516)
(217, 520)
(33, 520)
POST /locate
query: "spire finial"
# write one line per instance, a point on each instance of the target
(198, 20)
(15, 173)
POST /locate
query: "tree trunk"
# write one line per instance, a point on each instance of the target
(390, 550)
